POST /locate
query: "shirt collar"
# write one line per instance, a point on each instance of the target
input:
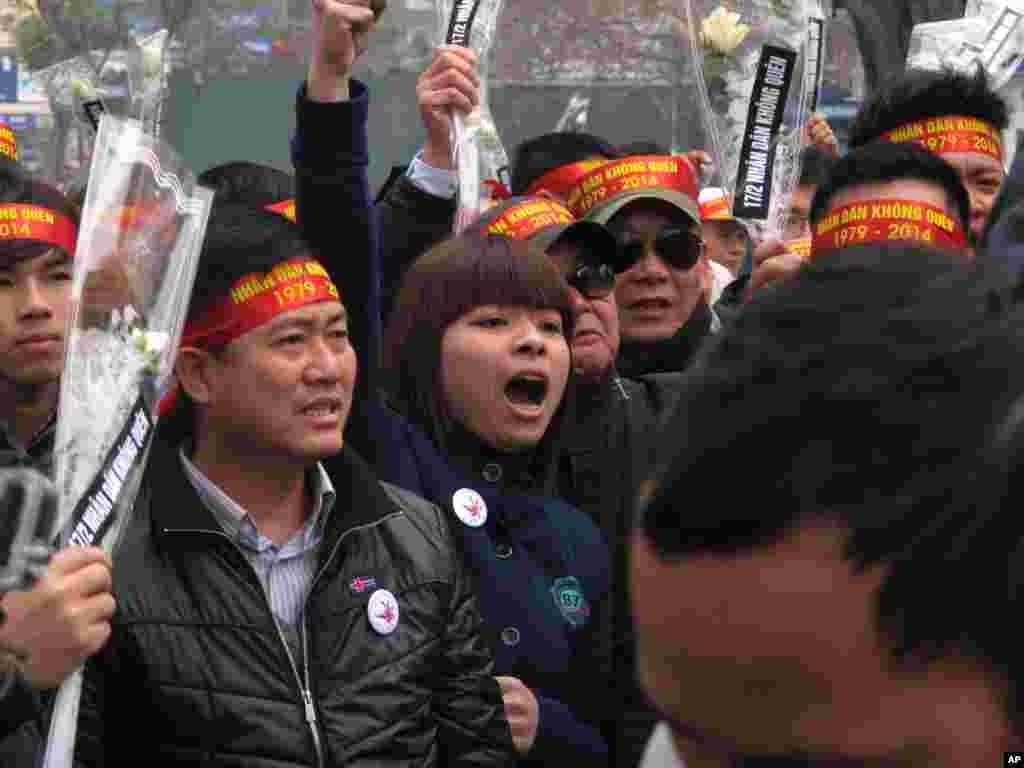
(236, 521)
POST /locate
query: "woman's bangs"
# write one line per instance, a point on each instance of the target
(506, 273)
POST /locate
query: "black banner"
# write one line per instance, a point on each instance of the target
(461, 22)
(764, 118)
(94, 110)
(95, 511)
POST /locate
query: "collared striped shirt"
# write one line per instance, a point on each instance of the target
(286, 571)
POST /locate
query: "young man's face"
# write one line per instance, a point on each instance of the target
(34, 298)
(284, 389)
(982, 176)
(726, 243)
(770, 650)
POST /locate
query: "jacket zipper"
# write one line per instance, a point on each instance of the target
(303, 681)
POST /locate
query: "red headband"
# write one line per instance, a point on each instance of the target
(889, 220)
(257, 299)
(286, 208)
(632, 174)
(22, 221)
(946, 135)
(524, 220)
(561, 180)
(8, 142)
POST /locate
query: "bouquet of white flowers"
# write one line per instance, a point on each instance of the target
(751, 56)
(142, 228)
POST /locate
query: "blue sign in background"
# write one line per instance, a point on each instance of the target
(8, 74)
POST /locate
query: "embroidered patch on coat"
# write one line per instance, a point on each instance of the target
(571, 601)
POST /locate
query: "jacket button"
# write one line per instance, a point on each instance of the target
(492, 472)
(503, 550)
(510, 636)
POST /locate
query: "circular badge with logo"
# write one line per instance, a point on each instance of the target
(470, 507)
(382, 610)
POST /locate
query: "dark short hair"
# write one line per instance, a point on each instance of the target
(18, 186)
(921, 94)
(450, 279)
(535, 157)
(642, 148)
(877, 386)
(883, 161)
(815, 165)
(250, 183)
(240, 240)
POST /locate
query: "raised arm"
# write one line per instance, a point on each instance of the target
(333, 203)
(416, 207)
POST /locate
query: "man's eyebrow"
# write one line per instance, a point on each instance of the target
(305, 323)
(56, 258)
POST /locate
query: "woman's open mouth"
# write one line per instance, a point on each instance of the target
(527, 391)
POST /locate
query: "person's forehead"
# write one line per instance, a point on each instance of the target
(311, 314)
(906, 189)
(973, 163)
(726, 228)
(28, 257)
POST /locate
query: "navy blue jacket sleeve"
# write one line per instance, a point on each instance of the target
(335, 212)
(411, 222)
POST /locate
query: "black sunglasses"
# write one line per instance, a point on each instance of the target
(680, 250)
(595, 281)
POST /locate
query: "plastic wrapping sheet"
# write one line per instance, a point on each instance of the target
(138, 247)
(751, 58)
(477, 152)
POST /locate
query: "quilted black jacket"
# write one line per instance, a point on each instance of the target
(196, 673)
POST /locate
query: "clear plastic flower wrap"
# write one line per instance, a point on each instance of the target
(952, 44)
(617, 69)
(991, 35)
(477, 152)
(751, 56)
(141, 232)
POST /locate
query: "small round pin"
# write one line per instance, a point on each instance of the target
(470, 507)
(382, 611)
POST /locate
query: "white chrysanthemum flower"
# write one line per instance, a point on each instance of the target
(721, 30)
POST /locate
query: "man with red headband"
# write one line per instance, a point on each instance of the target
(955, 115)
(649, 203)
(890, 193)
(48, 631)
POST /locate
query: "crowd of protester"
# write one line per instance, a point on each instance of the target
(611, 479)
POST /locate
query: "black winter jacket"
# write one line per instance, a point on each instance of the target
(196, 672)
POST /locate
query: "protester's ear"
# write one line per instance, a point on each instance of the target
(193, 369)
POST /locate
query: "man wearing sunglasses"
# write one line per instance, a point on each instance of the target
(612, 421)
(649, 203)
